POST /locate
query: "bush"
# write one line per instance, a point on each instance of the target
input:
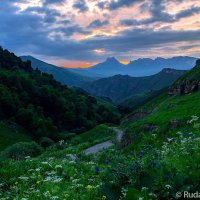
(69, 136)
(46, 142)
(20, 150)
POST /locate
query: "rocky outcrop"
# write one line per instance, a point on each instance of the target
(185, 87)
(190, 84)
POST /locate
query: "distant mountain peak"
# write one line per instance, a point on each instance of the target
(112, 59)
(159, 59)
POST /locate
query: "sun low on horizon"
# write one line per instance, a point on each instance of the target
(82, 33)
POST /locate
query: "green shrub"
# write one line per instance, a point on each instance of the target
(46, 142)
(69, 136)
(20, 150)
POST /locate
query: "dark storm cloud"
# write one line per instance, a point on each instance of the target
(187, 13)
(81, 5)
(97, 23)
(27, 32)
(47, 2)
(50, 15)
(114, 5)
(121, 3)
(101, 5)
(158, 14)
(141, 39)
(70, 30)
(127, 41)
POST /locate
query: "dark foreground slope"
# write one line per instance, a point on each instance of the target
(43, 106)
(121, 87)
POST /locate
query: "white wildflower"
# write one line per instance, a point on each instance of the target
(54, 197)
(75, 181)
(144, 189)
(45, 163)
(168, 186)
(1, 184)
(152, 194)
(47, 179)
(72, 162)
(37, 169)
(58, 166)
(61, 142)
(24, 178)
(71, 156)
(47, 194)
(57, 179)
(169, 139)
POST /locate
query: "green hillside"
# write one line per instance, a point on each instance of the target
(60, 74)
(94, 136)
(11, 134)
(136, 101)
(121, 87)
(43, 106)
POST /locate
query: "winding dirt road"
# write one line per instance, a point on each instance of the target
(104, 145)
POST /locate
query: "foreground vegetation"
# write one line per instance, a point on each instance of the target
(11, 134)
(157, 157)
(150, 171)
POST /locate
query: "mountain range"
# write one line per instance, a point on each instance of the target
(109, 79)
(120, 87)
(139, 67)
(61, 74)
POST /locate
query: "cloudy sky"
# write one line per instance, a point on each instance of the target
(79, 33)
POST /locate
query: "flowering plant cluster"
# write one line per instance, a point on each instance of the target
(147, 172)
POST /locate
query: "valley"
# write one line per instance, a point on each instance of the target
(99, 99)
(107, 154)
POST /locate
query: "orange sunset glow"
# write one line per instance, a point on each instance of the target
(75, 64)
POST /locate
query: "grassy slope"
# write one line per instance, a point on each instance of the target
(9, 136)
(183, 107)
(78, 178)
(109, 105)
(74, 180)
(138, 100)
(97, 135)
